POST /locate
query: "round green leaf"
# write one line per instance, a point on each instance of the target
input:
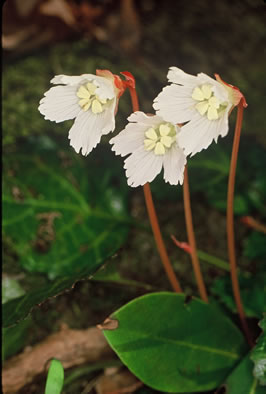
(173, 345)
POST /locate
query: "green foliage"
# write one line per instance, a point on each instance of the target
(55, 378)
(252, 290)
(59, 221)
(65, 216)
(258, 355)
(208, 174)
(173, 344)
(10, 289)
(255, 246)
(13, 338)
(110, 273)
(242, 381)
(18, 308)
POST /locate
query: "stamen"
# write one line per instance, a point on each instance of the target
(89, 99)
(159, 149)
(164, 129)
(208, 104)
(160, 138)
(96, 107)
(151, 133)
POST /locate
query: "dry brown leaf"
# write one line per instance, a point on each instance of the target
(60, 9)
(25, 7)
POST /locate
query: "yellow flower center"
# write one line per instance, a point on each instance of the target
(208, 104)
(160, 138)
(88, 98)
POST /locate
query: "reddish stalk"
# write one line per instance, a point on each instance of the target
(230, 223)
(159, 241)
(153, 217)
(192, 240)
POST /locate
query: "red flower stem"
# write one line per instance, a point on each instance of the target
(192, 240)
(230, 223)
(159, 241)
(153, 218)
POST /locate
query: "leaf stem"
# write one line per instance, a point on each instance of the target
(230, 223)
(192, 240)
(153, 217)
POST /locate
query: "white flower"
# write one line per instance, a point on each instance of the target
(152, 145)
(201, 101)
(89, 99)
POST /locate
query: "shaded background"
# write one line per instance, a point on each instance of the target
(44, 38)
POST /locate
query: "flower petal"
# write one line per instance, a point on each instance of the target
(176, 75)
(142, 167)
(218, 88)
(174, 165)
(175, 104)
(199, 133)
(60, 103)
(105, 89)
(142, 118)
(129, 139)
(71, 79)
(108, 117)
(88, 129)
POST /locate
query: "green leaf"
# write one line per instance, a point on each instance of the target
(258, 355)
(55, 378)
(14, 338)
(242, 381)
(110, 273)
(10, 289)
(255, 246)
(18, 308)
(61, 215)
(252, 293)
(173, 345)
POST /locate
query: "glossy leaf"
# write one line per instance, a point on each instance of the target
(60, 215)
(65, 216)
(18, 308)
(242, 380)
(258, 355)
(175, 345)
(13, 338)
(55, 378)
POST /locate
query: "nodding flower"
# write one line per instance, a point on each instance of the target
(202, 104)
(91, 100)
(152, 145)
